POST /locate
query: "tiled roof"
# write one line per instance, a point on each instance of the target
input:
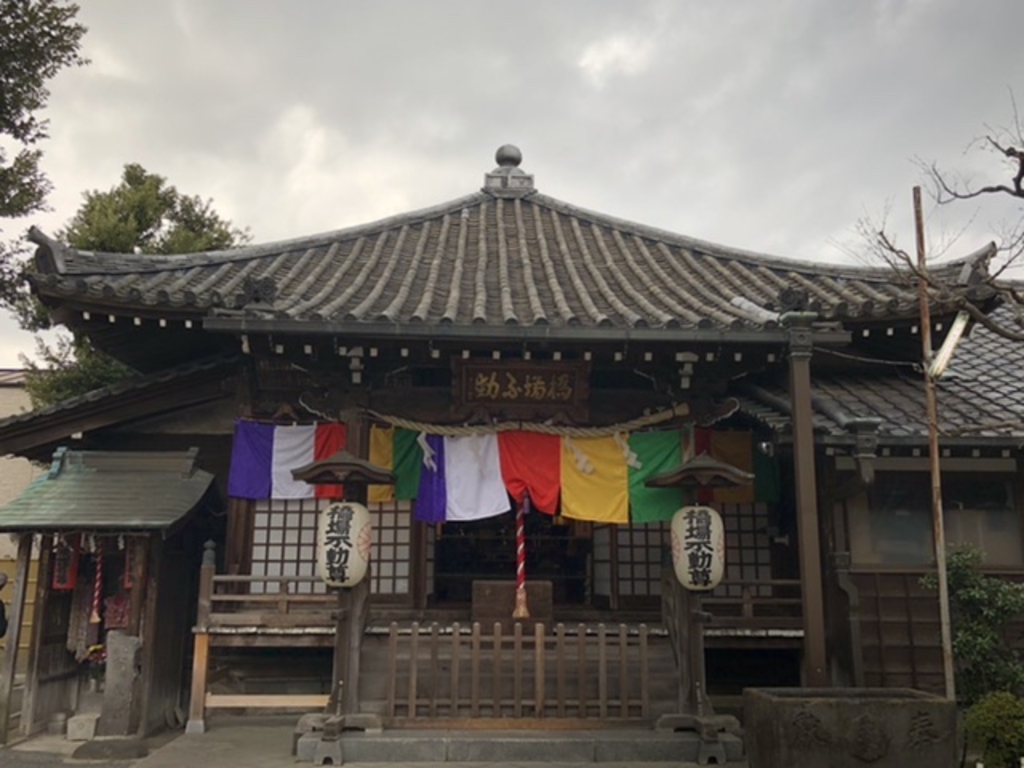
(496, 258)
(119, 389)
(12, 377)
(98, 490)
(35, 434)
(980, 396)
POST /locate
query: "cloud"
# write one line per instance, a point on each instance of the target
(770, 127)
(616, 55)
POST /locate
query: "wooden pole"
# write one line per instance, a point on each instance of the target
(358, 609)
(938, 524)
(801, 344)
(521, 609)
(10, 665)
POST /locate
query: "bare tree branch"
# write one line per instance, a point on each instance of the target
(982, 319)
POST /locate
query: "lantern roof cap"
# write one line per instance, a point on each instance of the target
(702, 471)
(343, 467)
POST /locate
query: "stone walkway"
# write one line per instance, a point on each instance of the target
(235, 742)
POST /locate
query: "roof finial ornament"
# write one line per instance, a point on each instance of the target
(508, 155)
(507, 180)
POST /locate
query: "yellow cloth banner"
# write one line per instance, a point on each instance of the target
(595, 479)
(382, 453)
(734, 448)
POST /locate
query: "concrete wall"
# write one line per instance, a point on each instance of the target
(15, 475)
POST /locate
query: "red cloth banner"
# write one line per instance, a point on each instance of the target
(532, 463)
(330, 438)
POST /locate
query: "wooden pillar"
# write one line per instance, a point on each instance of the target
(201, 650)
(693, 677)
(801, 344)
(353, 603)
(238, 547)
(349, 644)
(154, 549)
(40, 608)
(139, 547)
(17, 613)
(695, 637)
(418, 566)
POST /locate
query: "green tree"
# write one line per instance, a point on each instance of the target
(71, 367)
(142, 214)
(38, 38)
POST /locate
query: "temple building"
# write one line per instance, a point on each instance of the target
(519, 368)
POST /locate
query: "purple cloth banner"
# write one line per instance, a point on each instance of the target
(251, 457)
(432, 498)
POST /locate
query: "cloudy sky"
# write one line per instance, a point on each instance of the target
(772, 127)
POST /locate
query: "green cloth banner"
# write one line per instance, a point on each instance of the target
(408, 459)
(767, 480)
(656, 452)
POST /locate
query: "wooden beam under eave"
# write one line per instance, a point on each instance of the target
(36, 437)
(801, 345)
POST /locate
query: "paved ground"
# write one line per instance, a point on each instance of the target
(227, 744)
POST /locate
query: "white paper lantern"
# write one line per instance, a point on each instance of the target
(698, 548)
(344, 537)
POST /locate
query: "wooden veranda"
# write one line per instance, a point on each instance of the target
(441, 668)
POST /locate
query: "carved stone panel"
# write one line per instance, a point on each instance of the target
(849, 728)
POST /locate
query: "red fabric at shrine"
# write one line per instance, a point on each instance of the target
(330, 438)
(532, 463)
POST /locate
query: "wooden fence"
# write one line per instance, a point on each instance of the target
(461, 673)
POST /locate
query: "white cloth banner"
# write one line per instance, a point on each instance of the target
(294, 447)
(472, 471)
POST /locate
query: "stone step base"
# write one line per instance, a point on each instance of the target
(554, 747)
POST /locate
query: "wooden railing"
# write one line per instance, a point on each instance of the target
(277, 614)
(761, 604)
(279, 602)
(480, 675)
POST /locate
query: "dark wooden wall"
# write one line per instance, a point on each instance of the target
(901, 639)
(170, 613)
(53, 672)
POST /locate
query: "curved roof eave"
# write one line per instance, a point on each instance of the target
(485, 259)
(154, 263)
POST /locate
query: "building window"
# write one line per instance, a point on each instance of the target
(639, 552)
(284, 544)
(748, 555)
(892, 525)
(391, 554)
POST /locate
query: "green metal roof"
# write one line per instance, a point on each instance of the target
(109, 490)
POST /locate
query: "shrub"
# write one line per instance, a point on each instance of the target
(981, 609)
(996, 725)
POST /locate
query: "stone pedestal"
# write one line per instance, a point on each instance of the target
(849, 728)
(82, 727)
(120, 715)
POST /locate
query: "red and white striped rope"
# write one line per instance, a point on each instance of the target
(97, 584)
(521, 611)
(521, 546)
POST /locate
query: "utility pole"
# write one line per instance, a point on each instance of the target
(938, 524)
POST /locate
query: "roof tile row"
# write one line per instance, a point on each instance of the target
(481, 259)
